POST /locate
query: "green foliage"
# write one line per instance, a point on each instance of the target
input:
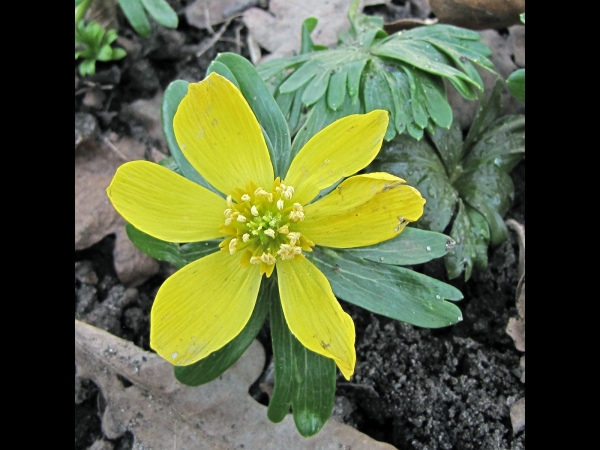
(516, 80)
(304, 380)
(466, 184)
(516, 84)
(402, 73)
(136, 12)
(93, 43)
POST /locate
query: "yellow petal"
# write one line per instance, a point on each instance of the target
(165, 205)
(339, 150)
(202, 307)
(220, 136)
(314, 315)
(363, 210)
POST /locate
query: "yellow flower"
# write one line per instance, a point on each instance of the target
(266, 222)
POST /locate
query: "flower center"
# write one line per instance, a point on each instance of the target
(261, 224)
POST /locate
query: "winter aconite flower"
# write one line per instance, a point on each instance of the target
(267, 223)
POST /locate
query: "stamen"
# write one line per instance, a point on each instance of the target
(267, 258)
(270, 233)
(246, 237)
(285, 191)
(241, 218)
(254, 211)
(298, 213)
(260, 192)
(229, 202)
(228, 221)
(227, 212)
(245, 198)
(288, 251)
(232, 245)
(283, 230)
(294, 237)
(280, 204)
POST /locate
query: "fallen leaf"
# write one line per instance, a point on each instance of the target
(516, 330)
(517, 415)
(516, 325)
(162, 413)
(205, 13)
(95, 164)
(279, 29)
(478, 14)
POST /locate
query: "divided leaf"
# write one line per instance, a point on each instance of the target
(467, 185)
(403, 73)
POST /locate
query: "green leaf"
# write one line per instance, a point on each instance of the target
(471, 234)
(321, 116)
(487, 112)
(171, 99)
(412, 246)
(264, 107)
(304, 380)
(156, 248)
(489, 190)
(377, 95)
(222, 70)
(300, 77)
(134, 11)
(516, 84)
(296, 112)
(502, 144)
(417, 97)
(87, 67)
(436, 101)
(307, 45)
(118, 53)
(216, 363)
(192, 251)
(170, 163)
(391, 291)
(316, 88)
(336, 92)
(355, 70)
(398, 84)
(449, 144)
(423, 56)
(170, 252)
(162, 12)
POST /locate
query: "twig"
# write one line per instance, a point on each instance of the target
(213, 39)
(207, 18)
(114, 149)
(520, 230)
(238, 42)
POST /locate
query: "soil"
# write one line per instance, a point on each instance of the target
(448, 388)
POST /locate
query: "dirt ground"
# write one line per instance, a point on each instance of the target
(449, 388)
